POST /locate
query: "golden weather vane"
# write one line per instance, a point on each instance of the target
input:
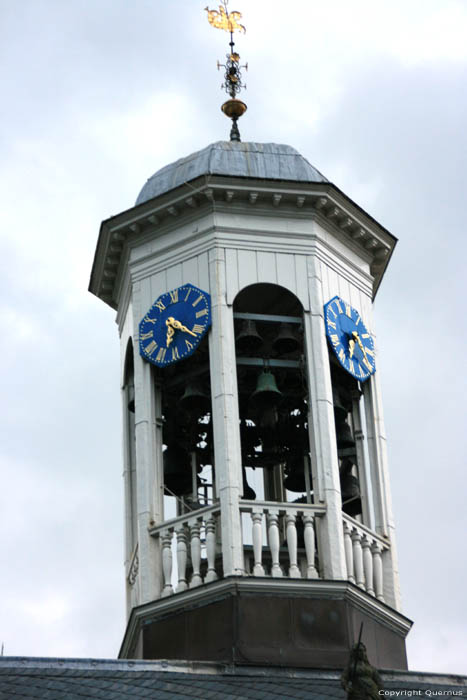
(225, 20)
(229, 22)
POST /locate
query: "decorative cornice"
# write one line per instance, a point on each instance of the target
(321, 200)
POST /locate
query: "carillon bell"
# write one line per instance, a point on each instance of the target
(248, 493)
(349, 482)
(131, 398)
(295, 470)
(248, 340)
(194, 400)
(340, 412)
(286, 340)
(266, 394)
(344, 436)
(177, 471)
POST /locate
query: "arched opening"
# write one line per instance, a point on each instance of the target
(130, 456)
(272, 394)
(188, 447)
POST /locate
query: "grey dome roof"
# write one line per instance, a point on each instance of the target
(265, 161)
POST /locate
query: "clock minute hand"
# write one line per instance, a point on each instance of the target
(170, 332)
(362, 348)
(179, 326)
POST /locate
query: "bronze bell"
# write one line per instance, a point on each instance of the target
(248, 340)
(344, 436)
(286, 340)
(177, 471)
(295, 470)
(194, 400)
(266, 393)
(248, 493)
(340, 412)
(131, 398)
(349, 482)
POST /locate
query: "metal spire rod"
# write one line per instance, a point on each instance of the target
(233, 108)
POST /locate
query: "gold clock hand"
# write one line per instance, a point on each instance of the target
(170, 333)
(351, 347)
(179, 326)
(362, 348)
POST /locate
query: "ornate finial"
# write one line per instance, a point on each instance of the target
(360, 679)
(233, 108)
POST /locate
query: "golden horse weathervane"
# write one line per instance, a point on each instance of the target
(225, 20)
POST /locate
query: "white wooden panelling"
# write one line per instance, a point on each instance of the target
(203, 272)
(333, 282)
(231, 271)
(344, 289)
(286, 271)
(190, 271)
(247, 269)
(175, 276)
(158, 287)
(267, 267)
(302, 280)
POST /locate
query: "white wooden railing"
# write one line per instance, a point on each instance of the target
(364, 551)
(265, 525)
(193, 537)
(279, 540)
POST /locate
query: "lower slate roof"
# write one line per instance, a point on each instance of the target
(75, 679)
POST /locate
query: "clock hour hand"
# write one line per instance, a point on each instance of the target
(362, 348)
(171, 321)
(170, 333)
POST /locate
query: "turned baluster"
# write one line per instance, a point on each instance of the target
(378, 570)
(167, 564)
(181, 559)
(358, 558)
(368, 564)
(294, 571)
(195, 544)
(273, 537)
(211, 549)
(309, 538)
(348, 552)
(257, 518)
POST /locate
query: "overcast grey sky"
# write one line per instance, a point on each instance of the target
(96, 96)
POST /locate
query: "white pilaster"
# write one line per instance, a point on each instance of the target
(225, 416)
(148, 441)
(325, 463)
(384, 522)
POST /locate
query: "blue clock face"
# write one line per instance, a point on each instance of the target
(349, 338)
(174, 326)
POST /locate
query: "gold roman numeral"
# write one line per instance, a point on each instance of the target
(161, 355)
(348, 311)
(203, 312)
(174, 296)
(197, 328)
(332, 324)
(160, 305)
(145, 336)
(335, 339)
(342, 355)
(187, 295)
(148, 319)
(189, 346)
(196, 301)
(151, 347)
(175, 355)
(338, 306)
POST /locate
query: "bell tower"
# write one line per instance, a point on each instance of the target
(258, 518)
